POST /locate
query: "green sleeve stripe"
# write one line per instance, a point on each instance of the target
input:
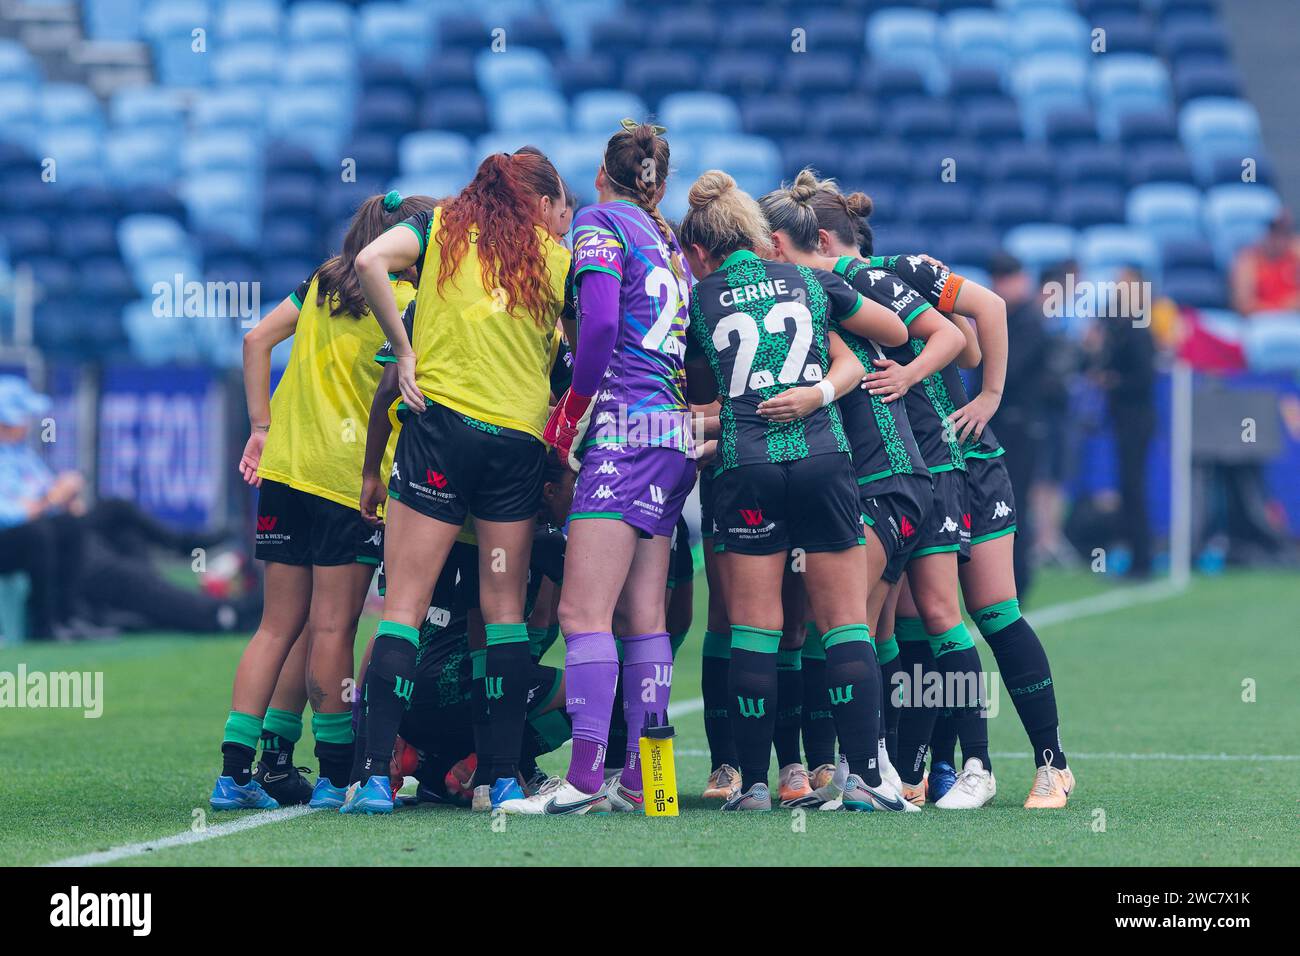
(418, 234)
(975, 452)
(385, 359)
(917, 311)
(593, 267)
(857, 305)
(297, 302)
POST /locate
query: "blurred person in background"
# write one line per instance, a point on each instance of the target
(88, 564)
(1124, 368)
(1266, 275)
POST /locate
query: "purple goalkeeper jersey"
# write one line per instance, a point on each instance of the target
(642, 396)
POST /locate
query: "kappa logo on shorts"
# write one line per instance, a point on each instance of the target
(608, 468)
(753, 517)
(395, 473)
(377, 538)
(1001, 510)
(602, 492)
(435, 478)
(266, 522)
(948, 524)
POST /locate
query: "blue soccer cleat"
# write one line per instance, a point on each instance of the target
(326, 796)
(506, 788)
(942, 776)
(228, 795)
(376, 796)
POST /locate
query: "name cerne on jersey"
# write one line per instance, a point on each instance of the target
(767, 289)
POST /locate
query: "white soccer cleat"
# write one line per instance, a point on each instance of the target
(557, 797)
(975, 787)
(620, 799)
(861, 797)
(887, 771)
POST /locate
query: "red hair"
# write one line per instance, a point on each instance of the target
(500, 205)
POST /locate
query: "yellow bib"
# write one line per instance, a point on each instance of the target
(321, 407)
(474, 357)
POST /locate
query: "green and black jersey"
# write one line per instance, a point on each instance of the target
(762, 326)
(385, 354)
(880, 434)
(941, 286)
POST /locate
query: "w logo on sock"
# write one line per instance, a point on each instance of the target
(402, 688)
(841, 695)
(493, 687)
(266, 522)
(750, 707)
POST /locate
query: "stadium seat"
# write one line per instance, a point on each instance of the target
(938, 204)
(138, 156)
(516, 68)
(1040, 245)
(1231, 169)
(1236, 215)
(151, 107)
(1083, 206)
(992, 122)
(753, 161)
(847, 118)
(1069, 125)
(320, 22)
(530, 111)
(825, 156)
(1127, 83)
(1126, 32)
(454, 112)
(828, 73)
(837, 31)
(977, 38)
(1023, 163)
(577, 158)
(229, 109)
(758, 32)
(1007, 205)
(601, 111)
(1048, 31)
(389, 31)
(1104, 249)
(427, 151)
(738, 74)
(387, 112)
(1196, 288)
(243, 20)
(1148, 126)
(1202, 39)
(780, 117)
(1196, 80)
(535, 31)
(692, 114)
(1161, 162)
(689, 30)
(77, 153)
(69, 105)
(113, 21)
(1094, 163)
(654, 75)
(1165, 211)
(921, 121)
(253, 65)
(1187, 253)
(1214, 127)
(971, 85)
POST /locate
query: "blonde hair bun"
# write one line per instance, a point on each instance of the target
(711, 185)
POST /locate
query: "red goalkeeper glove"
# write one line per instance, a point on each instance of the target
(567, 424)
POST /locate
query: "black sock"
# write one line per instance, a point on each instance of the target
(509, 665)
(818, 721)
(915, 718)
(237, 762)
(943, 739)
(752, 684)
(891, 711)
(359, 725)
(958, 660)
(478, 709)
(616, 749)
(789, 707)
(714, 669)
(277, 753)
(336, 761)
(853, 679)
(390, 681)
(1022, 662)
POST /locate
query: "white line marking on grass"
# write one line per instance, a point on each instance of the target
(1103, 603)
(1078, 755)
(186, 838)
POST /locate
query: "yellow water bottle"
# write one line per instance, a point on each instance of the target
(658, 769)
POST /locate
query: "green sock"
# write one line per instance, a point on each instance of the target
(996, 617)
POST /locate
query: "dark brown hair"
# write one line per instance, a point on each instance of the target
(844, 217)
(636, 165)
(500, 204)
(337, 278)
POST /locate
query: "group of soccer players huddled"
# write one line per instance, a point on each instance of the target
(508, 431)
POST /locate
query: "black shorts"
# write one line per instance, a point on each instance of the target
(947, 526)
(706, 501)
(681, 560)
(896, 509)
(992, 500)
(448, 466)
(295, 527)
(768, 508)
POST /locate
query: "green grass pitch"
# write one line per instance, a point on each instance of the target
(1170, 761)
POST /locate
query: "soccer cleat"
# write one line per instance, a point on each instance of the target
(326, 796)
(822, 774)
(506, 788)
(861, 798)
(794, 789)
(375, 797)
(557, 797)
(757, 797)
(914, 793)
(620, 799)
(1051, 789)
(287, 787)
(534, 783)
(887, 771)
(940, 779)
(724, 783)
(228, 795)
(830, 795)
(974, 788)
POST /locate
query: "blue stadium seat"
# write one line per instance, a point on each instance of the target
(387, 112)
(138, 156)
(1023, 163)
(327, 68)
(1010, 204)
(237, 108)
(964, 161)
(758, 32)
(1230, 169)
(846, 117)
(530, 111)
(1166, 210)
(1196, 288)
(1058, 32)
(1148, 126)
(1083, 206)
(314, 119)
(576, 74)
(244, 20)
(577, 158)
(891, 82)
(452, 71)
(828, 73)
(517, 68)
(175, 18)
(600, 111)
(1069, 125)
(834, 31)
(970, 85)
(691, 114)
(535, 31)
(1236, 214)
(689, 31)
(1201, 39)
(19, 118)
(53, 276)
(619, 36)
(69, 105)
(1046, 82)
(113, 21)
(1104, 249)
(780, 117)
(463, 113)
(738, 74)
(377, 155)
(142, 237)
(1195, 80)
(753, 161)
(970, 245)
(148, 107)
(938, 204)
(922, 121)
(654, 75)
(223, 201)
(883, 161)
(220, 152)
(1127, 83)
(993, 121)
(900, 239)
(826, 156)
(389, 31)
(320, 21)
(289, 195)
(1095, 163)
(895, 33)
(1214, 127)
(1187, 253)
(428, 151)
(27, 237)
(252, 65)
(1126, 32)
(1161, 162)
(78, 153)
(977, 38)
(88, 235)
(1040, 245)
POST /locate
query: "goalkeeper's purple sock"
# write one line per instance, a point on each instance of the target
(590, 675)
(647, 684)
